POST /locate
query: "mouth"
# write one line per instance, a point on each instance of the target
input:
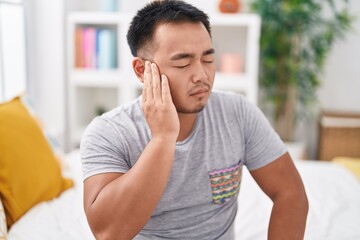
(199, 91)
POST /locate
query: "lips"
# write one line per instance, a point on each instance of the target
(199, 91)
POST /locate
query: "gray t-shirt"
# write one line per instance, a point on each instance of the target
(200, 199)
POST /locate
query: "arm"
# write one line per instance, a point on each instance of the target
(282, 183)
(118, 206)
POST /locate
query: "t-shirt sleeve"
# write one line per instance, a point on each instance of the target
(102, 149)
(262, 144)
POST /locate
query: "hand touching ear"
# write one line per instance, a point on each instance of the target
(157, 105)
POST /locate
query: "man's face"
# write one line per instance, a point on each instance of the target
(184, 53)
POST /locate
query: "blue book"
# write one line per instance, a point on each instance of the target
(107, 49)
(97, 48)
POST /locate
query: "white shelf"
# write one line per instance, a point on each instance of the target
(97, 18)
(95, 83)
(232, 81)
(95, 78)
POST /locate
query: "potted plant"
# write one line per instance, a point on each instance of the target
(296, 37)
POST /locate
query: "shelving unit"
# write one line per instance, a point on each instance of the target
(91, 89)
(239, 34)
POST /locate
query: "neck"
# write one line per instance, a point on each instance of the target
(187, 122)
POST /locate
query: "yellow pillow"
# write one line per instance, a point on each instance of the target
(353, 164)
(29, 172)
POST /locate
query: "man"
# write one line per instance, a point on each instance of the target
(168, 165)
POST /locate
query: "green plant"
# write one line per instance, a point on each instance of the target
(296, 37)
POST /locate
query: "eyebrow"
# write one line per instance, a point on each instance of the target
(191, 55)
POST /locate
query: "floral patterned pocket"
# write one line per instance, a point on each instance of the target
(225, 183)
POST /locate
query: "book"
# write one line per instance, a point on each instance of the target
(89, 45)
(106, 53)
(79, 55)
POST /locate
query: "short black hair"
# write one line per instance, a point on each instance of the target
(142, 27)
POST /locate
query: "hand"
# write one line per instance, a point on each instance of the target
(157, 105)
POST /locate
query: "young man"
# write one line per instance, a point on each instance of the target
(168, 165)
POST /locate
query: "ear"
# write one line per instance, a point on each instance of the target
(138, 65)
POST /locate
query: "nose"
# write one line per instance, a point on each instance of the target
(199, 73)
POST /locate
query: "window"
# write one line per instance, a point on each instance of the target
(12, 49)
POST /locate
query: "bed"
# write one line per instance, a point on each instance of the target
(333, 192)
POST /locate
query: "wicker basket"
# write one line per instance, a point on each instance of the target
(339, 135)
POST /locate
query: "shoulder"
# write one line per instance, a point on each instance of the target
(229, 101)
(227, 97)
(127, 110)
(116, 121)
(220, 95)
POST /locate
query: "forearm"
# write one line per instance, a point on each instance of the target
(124, 206)
(288, 218)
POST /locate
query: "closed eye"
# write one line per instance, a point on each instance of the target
(183, 66)
(208, 61)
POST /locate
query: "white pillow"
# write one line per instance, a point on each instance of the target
(3, 227)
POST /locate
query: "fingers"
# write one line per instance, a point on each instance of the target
(148, 82)
(165, 93)
(154, 89)
(156, 82)
(144, 92)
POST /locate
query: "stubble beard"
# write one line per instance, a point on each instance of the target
(183, 110)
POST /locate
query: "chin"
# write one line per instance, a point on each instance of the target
(187, 110)
(191, 105)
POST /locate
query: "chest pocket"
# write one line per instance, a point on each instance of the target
(225, 183)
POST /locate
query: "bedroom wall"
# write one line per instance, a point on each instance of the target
(46, 72)
(340, 88)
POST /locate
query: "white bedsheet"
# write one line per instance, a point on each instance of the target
(334, 204)
(333, 192)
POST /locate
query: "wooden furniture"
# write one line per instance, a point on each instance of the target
(339, 135)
